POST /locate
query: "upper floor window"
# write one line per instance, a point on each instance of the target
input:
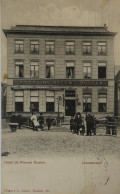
(70, 48)
(102, 48)
(34, 46)
(102, 70)
(50, 69)
(69, 69)
(87, 70)
(19, 46)
(50, 47)
(19, 69)
(87, 48)
(34, 70)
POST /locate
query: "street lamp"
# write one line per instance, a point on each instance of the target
(86, 106)
(58, 101)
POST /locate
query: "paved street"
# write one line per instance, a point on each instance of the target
(59, 141)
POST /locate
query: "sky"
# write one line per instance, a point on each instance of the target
(60, 12)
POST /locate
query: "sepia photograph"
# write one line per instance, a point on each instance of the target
(60, 96)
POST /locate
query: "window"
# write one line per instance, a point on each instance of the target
(49, 69)
(69, 93)
(87, 70)
(34, 46)
(19, 46)
(34, 100)
(87, 98)
(50, 47)
(70, 70)
(19, 70)
(102, 70)
(101, 48)
(87, 48)
(49, 101)
(34, 69)
(19, 101)
(70, 48)
(102, 99)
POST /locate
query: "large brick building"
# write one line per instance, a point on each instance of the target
(74, 64)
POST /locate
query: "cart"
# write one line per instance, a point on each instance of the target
(13, 126)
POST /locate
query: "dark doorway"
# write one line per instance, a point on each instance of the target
(69, 107)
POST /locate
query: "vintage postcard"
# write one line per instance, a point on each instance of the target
(60, 96)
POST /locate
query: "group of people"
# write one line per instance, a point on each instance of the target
(38, 122)
(77, 124)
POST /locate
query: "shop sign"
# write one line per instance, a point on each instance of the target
(53, 82)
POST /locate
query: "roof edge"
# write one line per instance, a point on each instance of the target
(10, 31)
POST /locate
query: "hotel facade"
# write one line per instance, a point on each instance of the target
(72, 65)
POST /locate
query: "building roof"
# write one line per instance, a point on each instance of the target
(73, 30)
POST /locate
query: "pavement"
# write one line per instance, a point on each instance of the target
(59, 162)
(58, 141)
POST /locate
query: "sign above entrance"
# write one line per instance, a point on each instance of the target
(62, 82)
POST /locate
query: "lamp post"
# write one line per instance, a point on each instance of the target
(58, 101)
(86, 107)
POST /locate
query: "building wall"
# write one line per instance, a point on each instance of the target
(60, 59)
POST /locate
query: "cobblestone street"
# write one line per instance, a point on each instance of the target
(59, 141)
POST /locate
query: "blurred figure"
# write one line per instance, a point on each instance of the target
(35, 123)
(48, 121)
(41, 121)
(90, 124)
(19, 119)
(72, 124)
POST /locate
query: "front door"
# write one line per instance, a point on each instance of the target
(69, 107)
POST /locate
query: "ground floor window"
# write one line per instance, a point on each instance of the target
(34, 100)
(34, 106)
(49, 101)
(19, 101)
(102, 102)
(18, 106)
(87, 98)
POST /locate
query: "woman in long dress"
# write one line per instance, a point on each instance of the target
(35, 122)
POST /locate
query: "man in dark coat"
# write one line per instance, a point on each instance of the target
(41, 121)
(19, 119)
(72, 124)
(90, 124)
(48, 121)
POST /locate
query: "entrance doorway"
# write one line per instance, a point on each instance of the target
(69, 107)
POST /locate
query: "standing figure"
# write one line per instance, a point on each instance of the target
(35, 123)
(76, 123)
(72, 124)
(79, 123)
(19, 119)
(41, 121)
(89, 121)
(48, 121)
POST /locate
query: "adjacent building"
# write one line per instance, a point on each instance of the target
(72, 65)
(117, 94)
